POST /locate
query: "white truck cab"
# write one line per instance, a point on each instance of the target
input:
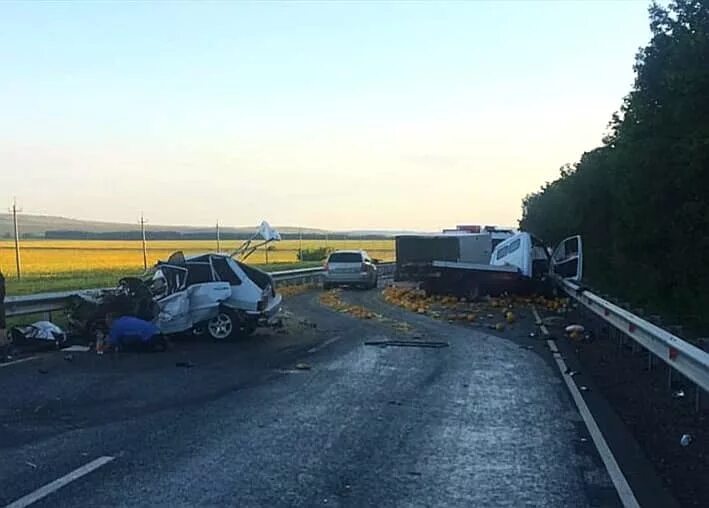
(532, 259)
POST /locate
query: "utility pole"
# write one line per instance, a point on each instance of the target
(300, 244)
(17, 237)
(219, 244)
(145, 247)
(327, 240)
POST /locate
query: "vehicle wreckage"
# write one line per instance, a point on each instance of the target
(211, 293)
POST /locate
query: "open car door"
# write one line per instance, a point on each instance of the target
(174, 303)
(567, 259)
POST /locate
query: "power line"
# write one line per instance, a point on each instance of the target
(145, 247)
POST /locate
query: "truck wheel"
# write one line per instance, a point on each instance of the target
(222, 326)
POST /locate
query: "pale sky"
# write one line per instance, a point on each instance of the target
(341, 115)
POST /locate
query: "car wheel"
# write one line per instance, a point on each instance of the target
(326, 286)
(375, 282)
(222, 326)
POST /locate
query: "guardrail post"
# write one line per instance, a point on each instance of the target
(674, 330)
(638, 312)
(655, 319)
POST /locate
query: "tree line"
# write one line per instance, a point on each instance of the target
(641, 199)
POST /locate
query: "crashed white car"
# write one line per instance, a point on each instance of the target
(212, 293)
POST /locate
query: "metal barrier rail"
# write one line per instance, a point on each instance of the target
(680, 355)
(50, 302)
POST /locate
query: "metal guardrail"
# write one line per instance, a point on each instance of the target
(37, 303)
(50, 302)
(688, 360)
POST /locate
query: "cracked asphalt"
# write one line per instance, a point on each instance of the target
(311, 417)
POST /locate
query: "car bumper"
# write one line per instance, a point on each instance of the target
(268, 316)
(348, 277)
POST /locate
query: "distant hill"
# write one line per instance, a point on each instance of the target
(40, 226)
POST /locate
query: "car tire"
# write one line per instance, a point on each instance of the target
(374, 284)
(223, 326)
(326, 286)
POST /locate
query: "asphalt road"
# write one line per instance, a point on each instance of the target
(485, 421)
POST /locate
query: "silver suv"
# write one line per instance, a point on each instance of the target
(350, 267)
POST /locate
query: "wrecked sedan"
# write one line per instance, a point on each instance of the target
(210, 293)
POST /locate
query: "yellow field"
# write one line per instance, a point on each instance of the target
(61, 256)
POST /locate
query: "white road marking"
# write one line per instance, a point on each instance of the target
(317, 348)
(57, 484)
(619, 481)
(21, 360)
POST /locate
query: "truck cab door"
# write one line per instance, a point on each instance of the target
(567, 259)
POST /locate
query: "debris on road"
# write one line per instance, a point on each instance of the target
(43, 371)
(678, 394)
(302, 366)
(552, 320)
(68, 358)
(503, 310)
(307, 323)
(295, 289)
(39, 333)
(407, 343)
(31, 464)
(686, 440)
(575, 331)
(332, 299)
(185, 364)
(574, 328)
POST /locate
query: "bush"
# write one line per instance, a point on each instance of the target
(318, 254)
